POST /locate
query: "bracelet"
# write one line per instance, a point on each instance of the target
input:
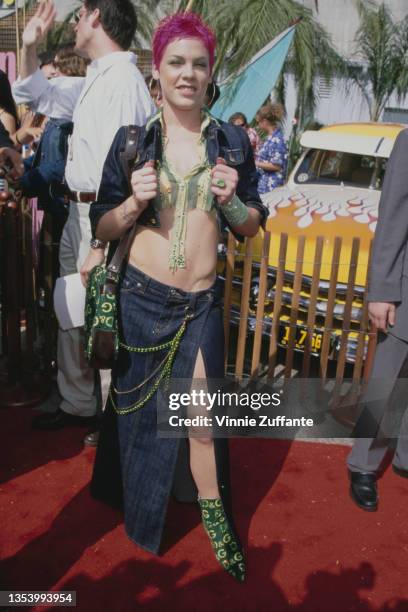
(95, 243)
(235, 212)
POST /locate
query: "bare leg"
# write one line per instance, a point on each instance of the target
(202, 455)
(202, 463)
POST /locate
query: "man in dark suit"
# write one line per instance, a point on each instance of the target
(9, 156)
(387, 393)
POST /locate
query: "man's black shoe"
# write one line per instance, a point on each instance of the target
(400, 471)
(59, 419)
(363, 490)
(92, 438)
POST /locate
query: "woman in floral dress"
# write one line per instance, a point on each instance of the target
(272, 156)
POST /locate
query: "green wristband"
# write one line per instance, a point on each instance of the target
(235, 212)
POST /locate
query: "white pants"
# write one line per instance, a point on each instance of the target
(76, 380)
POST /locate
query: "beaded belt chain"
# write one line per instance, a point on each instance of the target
(163, 369)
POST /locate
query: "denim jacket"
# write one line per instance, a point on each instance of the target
(43, 179)
(223, 140)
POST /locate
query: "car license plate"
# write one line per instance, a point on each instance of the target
(300, 339)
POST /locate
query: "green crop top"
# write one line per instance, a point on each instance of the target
(183, 194)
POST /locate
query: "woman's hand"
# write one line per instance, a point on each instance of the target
(268, 166)
(224, 181)
(144, 185)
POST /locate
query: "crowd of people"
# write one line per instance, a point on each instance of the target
(184, 148)
(180, 190)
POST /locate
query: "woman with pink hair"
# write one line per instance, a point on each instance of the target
(191, 174)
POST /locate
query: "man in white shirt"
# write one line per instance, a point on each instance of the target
(112, 94)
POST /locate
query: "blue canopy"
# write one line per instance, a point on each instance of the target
(246, 91)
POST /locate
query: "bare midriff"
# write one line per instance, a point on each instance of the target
(150, 251)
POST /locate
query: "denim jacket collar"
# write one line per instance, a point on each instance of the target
(213, 133)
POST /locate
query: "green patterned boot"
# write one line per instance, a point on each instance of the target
(227, 550)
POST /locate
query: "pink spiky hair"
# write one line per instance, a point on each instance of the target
(182, 25)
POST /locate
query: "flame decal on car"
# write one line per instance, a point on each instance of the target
(307, 205)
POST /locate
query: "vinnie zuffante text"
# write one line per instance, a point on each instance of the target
(207, 401)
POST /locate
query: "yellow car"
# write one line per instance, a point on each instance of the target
(334, 190)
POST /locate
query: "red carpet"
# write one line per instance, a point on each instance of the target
(308, 548)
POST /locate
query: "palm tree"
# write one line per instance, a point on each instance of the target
(245, 26)
(382, 47)
(61, 33)
(147, 17)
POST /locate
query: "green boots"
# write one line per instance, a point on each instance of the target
(227, 550)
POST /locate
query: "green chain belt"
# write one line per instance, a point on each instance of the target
(165, 367)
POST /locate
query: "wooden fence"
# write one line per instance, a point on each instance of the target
(262, 338)
(253, 335)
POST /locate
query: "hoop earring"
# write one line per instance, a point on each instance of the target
(159, 98)
(213, 94)
(155, 83)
